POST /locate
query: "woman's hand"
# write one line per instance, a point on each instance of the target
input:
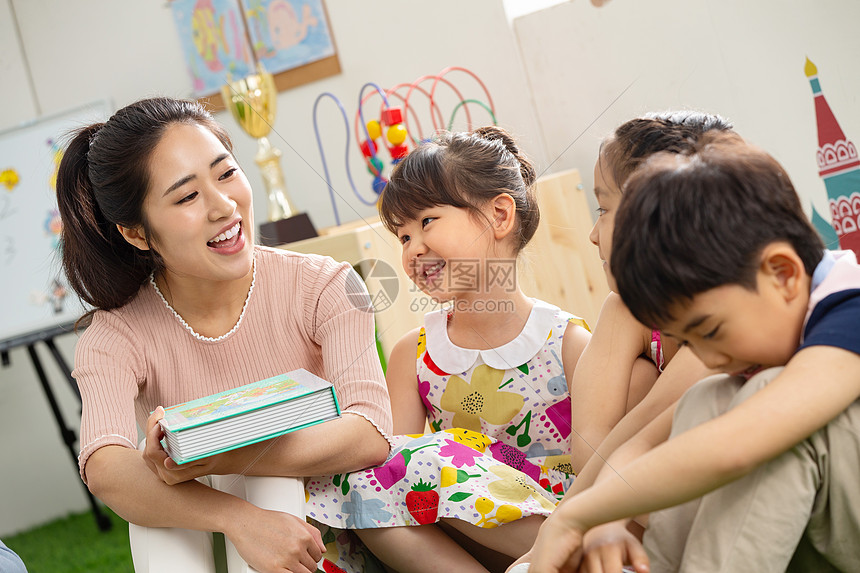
(164, 467)
(608, 547)
(153, 454)
(272, 541)
(558, 548)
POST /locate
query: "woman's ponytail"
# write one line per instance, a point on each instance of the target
(104, 269)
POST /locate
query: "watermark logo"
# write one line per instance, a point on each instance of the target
(379, 274)
(379, 285)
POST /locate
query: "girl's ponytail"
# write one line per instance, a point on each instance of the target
(463, 170)
(525, 197)
(495, 133)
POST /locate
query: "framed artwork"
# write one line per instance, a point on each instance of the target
(222, 40)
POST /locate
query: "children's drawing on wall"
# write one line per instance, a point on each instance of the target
(223, 39)
(286, 35)
(56, 158)
(9, 178)
(54, 296)
(53, 227)
(213, 41)
(839, 166)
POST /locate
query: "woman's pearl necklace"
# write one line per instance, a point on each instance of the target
(188, 326)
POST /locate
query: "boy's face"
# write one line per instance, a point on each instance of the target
(736, 330)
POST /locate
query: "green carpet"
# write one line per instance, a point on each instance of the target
(74, 544)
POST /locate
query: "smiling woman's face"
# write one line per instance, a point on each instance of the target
(198, 206)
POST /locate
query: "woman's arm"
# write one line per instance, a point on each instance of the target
(347, 444)
(410, 416)
(816, 385)
(268, 540)
(600, 384)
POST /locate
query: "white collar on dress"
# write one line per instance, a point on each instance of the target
(455, 359)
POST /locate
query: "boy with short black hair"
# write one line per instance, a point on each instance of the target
(716, 251)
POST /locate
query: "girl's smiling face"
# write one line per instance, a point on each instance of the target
(198, 206)
(445, 249)
(608, 196)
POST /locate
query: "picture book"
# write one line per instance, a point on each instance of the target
(248, 414)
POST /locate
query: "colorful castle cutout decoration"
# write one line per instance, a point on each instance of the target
(839, 166)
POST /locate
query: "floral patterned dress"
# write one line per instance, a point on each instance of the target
(516, 394)
(461, 472)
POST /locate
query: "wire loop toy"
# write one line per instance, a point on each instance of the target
(397, 128)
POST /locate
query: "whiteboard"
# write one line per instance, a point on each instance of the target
(34, 294)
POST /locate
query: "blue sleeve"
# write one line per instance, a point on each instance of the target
(835, 321)
(9, 561)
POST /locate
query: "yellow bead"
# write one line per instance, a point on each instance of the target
(374, 130)
(396, 134)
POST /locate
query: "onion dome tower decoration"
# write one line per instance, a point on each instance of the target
(839, 166)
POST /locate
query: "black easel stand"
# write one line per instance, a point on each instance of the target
(68, 435)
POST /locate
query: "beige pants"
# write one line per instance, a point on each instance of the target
(799, 512)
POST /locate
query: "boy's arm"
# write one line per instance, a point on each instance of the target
(600, 383)
(408, 411)
(816, 385)
(683, 371)
(559, 546)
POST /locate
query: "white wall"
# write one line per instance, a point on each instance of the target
(741, 59)
(90, 50)
(19, 104)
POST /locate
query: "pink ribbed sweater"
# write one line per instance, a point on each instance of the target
(298, 315)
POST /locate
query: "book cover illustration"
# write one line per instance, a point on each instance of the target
(247, 414)
(237, 401)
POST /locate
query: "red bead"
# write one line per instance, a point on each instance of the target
(398, 151)
(392, 116)
(365, 149)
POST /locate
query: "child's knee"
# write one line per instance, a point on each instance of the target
(705, 400)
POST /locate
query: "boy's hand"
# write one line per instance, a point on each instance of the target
(558, 548)
(608, 547)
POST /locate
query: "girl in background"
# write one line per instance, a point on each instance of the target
(610, 379)
(624, 357)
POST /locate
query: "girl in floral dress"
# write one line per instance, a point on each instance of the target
(488, 371)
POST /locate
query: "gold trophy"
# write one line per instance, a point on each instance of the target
(253, 101)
